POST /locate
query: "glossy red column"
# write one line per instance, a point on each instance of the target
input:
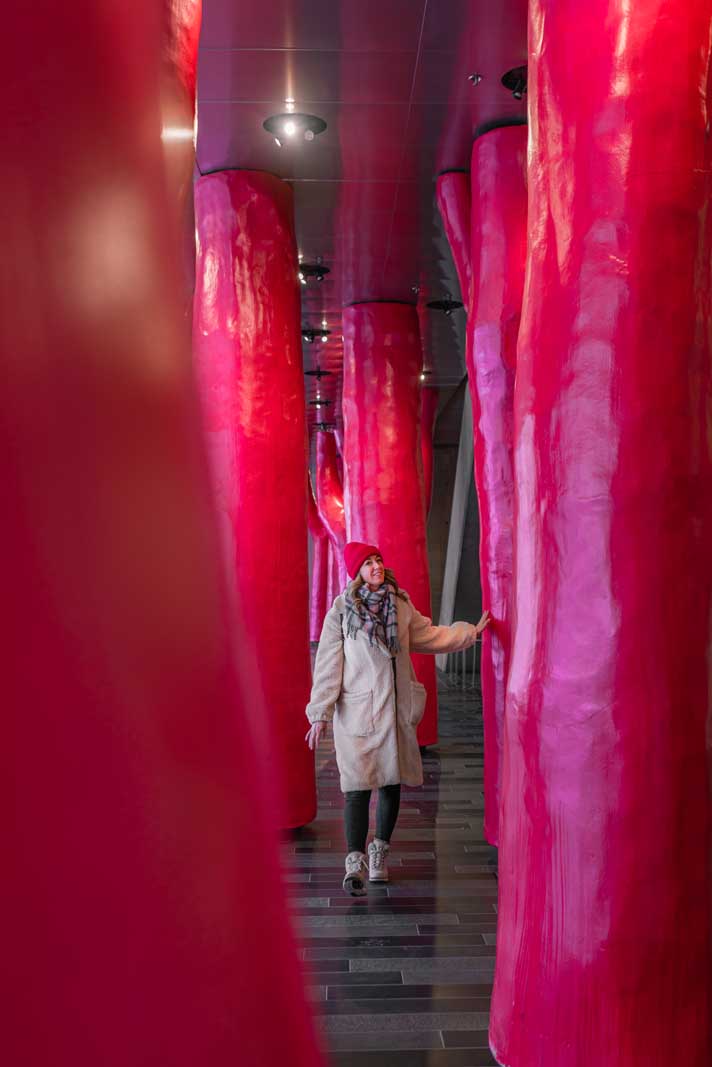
(603, 952)
(330, 498)
(454, 204)
(498, 254)
(428, 411)
(130, 788)
(320, 567)
(384, 479)
(247, 343)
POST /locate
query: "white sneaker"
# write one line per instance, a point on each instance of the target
(377, 866)
(354, 880)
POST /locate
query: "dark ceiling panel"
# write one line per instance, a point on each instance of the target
(310, 78)
(362, 143)
(390, 78)
(355, 25)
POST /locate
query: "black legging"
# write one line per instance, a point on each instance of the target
(356, 815)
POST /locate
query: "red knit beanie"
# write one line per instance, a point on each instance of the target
(356, 554)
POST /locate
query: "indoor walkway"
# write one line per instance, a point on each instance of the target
(404, 977)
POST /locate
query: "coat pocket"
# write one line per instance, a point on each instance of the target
(355, 713)
(418, 699)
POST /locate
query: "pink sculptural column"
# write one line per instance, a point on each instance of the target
(334, 584)
(453, 196)
(490, 259)
(330, 499)
(131, 789)
(498, 254)
(384, 484)
(247, 343)
(320, 567)
(603, 952)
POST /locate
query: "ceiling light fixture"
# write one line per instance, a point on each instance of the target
(293, 125)
(516, 81)
(475, 78)
(327, 427)
(312, 270)
(318, 373)
(448, 306)
(319, 403)
(311, 335)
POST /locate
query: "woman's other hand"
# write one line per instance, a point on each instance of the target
(318, 730)
(484, 622)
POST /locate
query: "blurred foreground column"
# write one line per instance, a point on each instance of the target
(384, 487)
(603, 952)
(248, 351)
(131, 934)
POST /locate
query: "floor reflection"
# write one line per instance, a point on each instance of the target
(404, 976)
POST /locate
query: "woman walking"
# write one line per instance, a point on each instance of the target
(364, 681)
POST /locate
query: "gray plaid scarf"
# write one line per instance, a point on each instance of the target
(376, 613)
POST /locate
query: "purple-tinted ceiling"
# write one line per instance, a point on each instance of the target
(390, 77)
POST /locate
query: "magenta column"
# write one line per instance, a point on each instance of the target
(498, 254)
(604, 914)
(384, 482)
(330, 499)
(320, 567)
(453, 196)
(247, 344)
(132, 795)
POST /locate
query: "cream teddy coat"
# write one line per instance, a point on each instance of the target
(375, 733)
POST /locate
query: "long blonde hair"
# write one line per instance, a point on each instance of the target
(389, 578)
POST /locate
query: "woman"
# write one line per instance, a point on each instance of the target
(364, 680)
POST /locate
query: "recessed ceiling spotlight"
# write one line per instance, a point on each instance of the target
(475, 78)
(516, 81)
(312, 270)
(293, 126)
(326, 427)
(319, 403)
(425, 374)
(448, 306)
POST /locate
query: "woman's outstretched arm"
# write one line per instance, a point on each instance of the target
(424, 637)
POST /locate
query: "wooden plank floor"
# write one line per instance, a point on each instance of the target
(404, 976)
